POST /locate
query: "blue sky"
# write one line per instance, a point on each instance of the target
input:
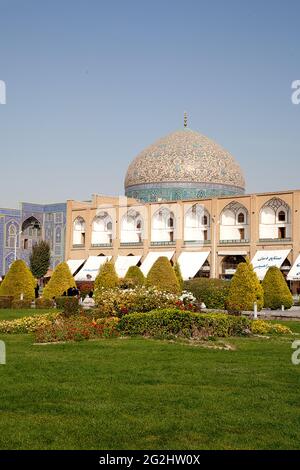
(92, 83)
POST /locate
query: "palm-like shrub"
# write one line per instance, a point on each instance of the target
(178, 274)
(61, 280)
(135, 275)
(162, 276)
(245, 289)
(19, 280)
(107, 277)
(276, 291)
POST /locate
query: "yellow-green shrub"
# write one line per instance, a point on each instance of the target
(276, 291)
(28, 324)
(178, 274)
(261, 327)
(107, 276)
(135, 275)
(162, 276)
(245, 289)
(17, 281)
(60, 282)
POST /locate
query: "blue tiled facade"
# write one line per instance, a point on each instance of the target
(17, 235)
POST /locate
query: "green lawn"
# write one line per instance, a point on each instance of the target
(149, 394)
(12, 314)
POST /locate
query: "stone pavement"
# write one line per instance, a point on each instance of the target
(293, 313)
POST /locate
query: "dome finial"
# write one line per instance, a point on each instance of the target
(185, 119)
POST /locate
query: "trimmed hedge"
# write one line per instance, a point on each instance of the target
(19, 304)
(172, 322)
(44, 303)
(163, 277)
(245, 289)
(213, 292)
(6, 301)
(68, 305)
(107, 276)
(17, 281)
(61, 280)
(135, 275)
(276, 291)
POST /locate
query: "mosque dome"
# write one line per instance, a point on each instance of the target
(183, 165)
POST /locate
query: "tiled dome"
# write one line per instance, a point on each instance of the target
(183, 165)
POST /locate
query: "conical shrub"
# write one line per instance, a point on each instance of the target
(107, 277)
(276, 291)
(60, 281)
(178, 274)
(245, 289)
(162, 276)
(19, 280)
(135, 275)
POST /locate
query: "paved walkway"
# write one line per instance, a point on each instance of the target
(293, 313)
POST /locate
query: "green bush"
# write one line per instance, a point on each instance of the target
(68, 305)
(178, 274)
(60, 281)
(107, 276)
(19, 304)
(135, 275)
(276, 291)
(162, 276)
(17, 281)
(213, 292)
(245, 289)
(44, 303)
(173, 322)
(28, 324)
(6, 301)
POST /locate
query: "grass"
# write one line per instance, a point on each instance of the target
(149, 394)
(12, 314)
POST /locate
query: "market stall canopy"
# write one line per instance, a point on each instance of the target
(123, 263)
(264, 259)
(190, 263)
(91, 268)
(75, 264)
(294, 274)
(151, 257)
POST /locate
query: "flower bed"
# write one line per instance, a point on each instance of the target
(28, 324)
(77, 328)
(119, 302)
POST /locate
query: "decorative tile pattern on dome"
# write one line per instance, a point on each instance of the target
(184, 156)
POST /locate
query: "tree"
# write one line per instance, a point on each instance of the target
(245, 289)
(40, 259)
(178, 274)
(162, 276)
(107, 277)
(276, 291)
(19, 280)
(135, 275)
(60, 281)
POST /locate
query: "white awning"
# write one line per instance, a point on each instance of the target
(91, 268)
(151, 257)
(123, 263)
(190, 262)
(75, 264)
(264, 259)
(233, 253)
(294, 274)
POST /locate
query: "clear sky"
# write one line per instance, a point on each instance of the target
(91, 83)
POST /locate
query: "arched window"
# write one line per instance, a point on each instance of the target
(132, 227)
(163, 223)
(281, 216)
(275, 217)
(232, 217)
(197, 224)
(79, 231)
(102, 229)
(12, 236)
(205, 220)
(241, 218)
